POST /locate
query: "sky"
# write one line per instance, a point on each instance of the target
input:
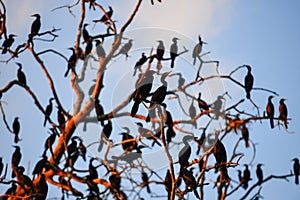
(262, 34)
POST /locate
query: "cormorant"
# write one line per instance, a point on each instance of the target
(173, 51)
(159, 95)
(296, 169)
(248, 82)
(24, 180)
(128, 146)
(71, 62)
(185, 153)
(115, 181)
(105, 134)
(217, 106)
(142, 92)
(147, 133)
(48, 110)
(168, 183)
(85, 34)
(71, 148)
(221, 158)
(140, 63)
(270, 111)
(99, 111)
(16, 129)
(259, 174)
(197, 49)
(246, 177)
(61, 118)
(283, 112)
(193, 113)
(7, 43)
(82, 150)
(21, 76)
(245, 134)
(93, 174)
(41, 187)
(146, 181)
(99, 49)
(189, 180)
(170, 130)
(71, 159)
(201, 103)
(49, 142)
(40, 165)
(16, 159)
(104, 18)
(36, 25)
(88, 48)
(160, 50)
(125, 49)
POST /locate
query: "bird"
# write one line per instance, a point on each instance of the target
(193, 113)
(170, 130)
(82, 150)
(1, 165)
(147, 133)
(115, 181)
(142, 91)
(105, 134)
(185, 153)
(16, 159)
(160, 50)
(99, 111)
(129, 157)
(197, 49)
(7, 43)
(36, 25)
(259, 174)
(145, 179)
(168, 183)
(10, 191)
(283, 112)
(203, 106)
(200, 141)
(24, 180)
(16, 129)
(85, 34)
(99, 49)
(71, 159)
(246, 177)
(88, 48)
(48, 110)
(128, 146)
(217, 106)
(125, 49)
(296, 169)
(41, 187)
(40, 165)
(152, 2)
(50, 141)
(220, 154)
(71, 148)
(189, 180)
(71, 62)
(103, 19)
(270, 110)
(21, 76)
(93, 174)
(60, 118)
(245, 135)
(248, 82)
(140, 63)
(173, 51)
(159, 94)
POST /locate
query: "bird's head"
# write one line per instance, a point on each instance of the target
(127, 129)
(282, 100)
(12, 35)
(271, 97)
(295, 159)
(36, 15)
(139, 124)
(175, 39)
(19, 64)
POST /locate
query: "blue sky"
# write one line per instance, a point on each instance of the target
(262, 34)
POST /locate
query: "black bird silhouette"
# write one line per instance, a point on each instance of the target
(40, 165)
(85, 34)
(189, 180)
(145, 179)
(93, 174)
(36, 25)
(140, 63)
(48, 110)
(104, 18)
(245, 135)
(7, 43)
(160, 50)
(16, 159)
(168, 183)
(128, 146)
(141, 93)
(88, 48)
(221, 158)
(270, 111)
(60, 118)
(21, 76)
(41, 187)
(50, 141)
(173, 51)
(217, 106)
(105, 134)
(193, 113)
(248, 82)
(99, 111)
(24, 180)
(71, 62)
(246, 177)
(202, 104)
(82, 150)
(283, 112)
(125, 49)
(296, 168)
(16, 129)
(1, 165)
(115, 181)
(159, 95)
(197, 49)
(185, 153)
(144, 132)
(72, 148)
(259, 174)
(99, 49)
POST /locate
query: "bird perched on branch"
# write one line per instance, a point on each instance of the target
(160, 50)
(189, 180)
(21, 76)
(36, 25)
(99, 111)
(145, 179)
(185, 153)
(7, 43)
(16, 129)
(140, 63)
(248, 82)
(128, 146)
(270, 111)
(259, 174)
(105, 134)
(283, 112)
(173, 51)
(221, 158)
(246, 177)
(48, 110)
(106, 16)
(125, 49)
(193, 113)
(296, 168)
(85, 34)
(245, 135)
(71, 62)
(99, 49)
(16, 159)
(197, 49)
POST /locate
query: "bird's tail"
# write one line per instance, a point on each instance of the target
(172, 63)
(45, 121)
(271, 122)
(67, 72)
(297, 179)
(148, 189)
(194, 62)
(248, 95)
(135, 108)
